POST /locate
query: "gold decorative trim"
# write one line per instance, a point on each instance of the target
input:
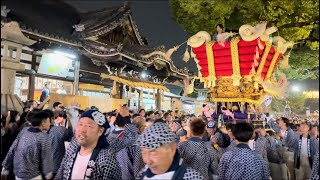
(272, 64)
(263, 59)
(259, 101)
(135, 84)
(211, 79)
(236, 76)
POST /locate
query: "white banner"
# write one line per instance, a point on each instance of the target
(267, 100)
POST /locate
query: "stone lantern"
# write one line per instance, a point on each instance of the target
(12, 41)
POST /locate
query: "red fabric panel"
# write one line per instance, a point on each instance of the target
(222, 52)
(243, 43)
(247, 50)
(205, 73)
(201, 55)
(201, 48)
(203, 61)
(245, 72)
(223, 73)
(246, 65)
(217, 46)
(246, 58)
(272, 50)
(219, 60)
(227, 66)
(265, 69)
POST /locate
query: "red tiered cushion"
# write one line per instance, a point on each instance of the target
(223, 58)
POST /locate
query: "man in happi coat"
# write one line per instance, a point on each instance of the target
(198, 154)
(315, 168)
(89, 155)
(30, 154)
(159, 152)
(121, 140)
(242, 162)
(233, 141)
(58, 136)
(277, 165)
(286, 133)
(259, 145)
(305, 149)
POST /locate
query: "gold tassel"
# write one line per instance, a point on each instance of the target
(229, 105)
(193, 55)
(186, 55)
(170, 52)
(253, 70)
(257, 53)
(285, 62)
(260, 45)
(255, 62)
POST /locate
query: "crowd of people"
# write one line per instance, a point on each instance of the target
(68, 143)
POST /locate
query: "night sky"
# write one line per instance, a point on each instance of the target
(154, 21)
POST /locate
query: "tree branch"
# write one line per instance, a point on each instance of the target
(298, 24)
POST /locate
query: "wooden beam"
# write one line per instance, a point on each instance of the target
(158, 100)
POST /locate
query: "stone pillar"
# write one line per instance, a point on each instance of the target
(12, 39)
(32, 82)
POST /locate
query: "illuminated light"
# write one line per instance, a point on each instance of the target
(295, 89)
(65, 54)
(143, 75)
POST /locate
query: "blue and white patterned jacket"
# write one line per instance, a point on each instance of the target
(200, 156)
(242, 163)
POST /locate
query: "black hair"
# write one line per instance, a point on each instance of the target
(192, 115)
(285, 120)
(149, 119)
(204, 105)
(259, 127)
(31, 113)
(242, 132)
(271, 133)
(157, 113)
(24, 108)
(130, 111)
(149, 113)
(198, 127)
(135, 115)
(22, 119)
(49, 112)
(122, 121)
(13, 115)
(81, 111)
(176, 111)
(220, 25)
(37, 118)
(314, 126)
(142, 110)
(166, 115)
(55, 104)
(59, 113)
(229, 126)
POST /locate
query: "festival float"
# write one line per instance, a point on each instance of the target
(238, 70)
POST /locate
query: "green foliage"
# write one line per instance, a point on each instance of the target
(296, 103)
(296, 20)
